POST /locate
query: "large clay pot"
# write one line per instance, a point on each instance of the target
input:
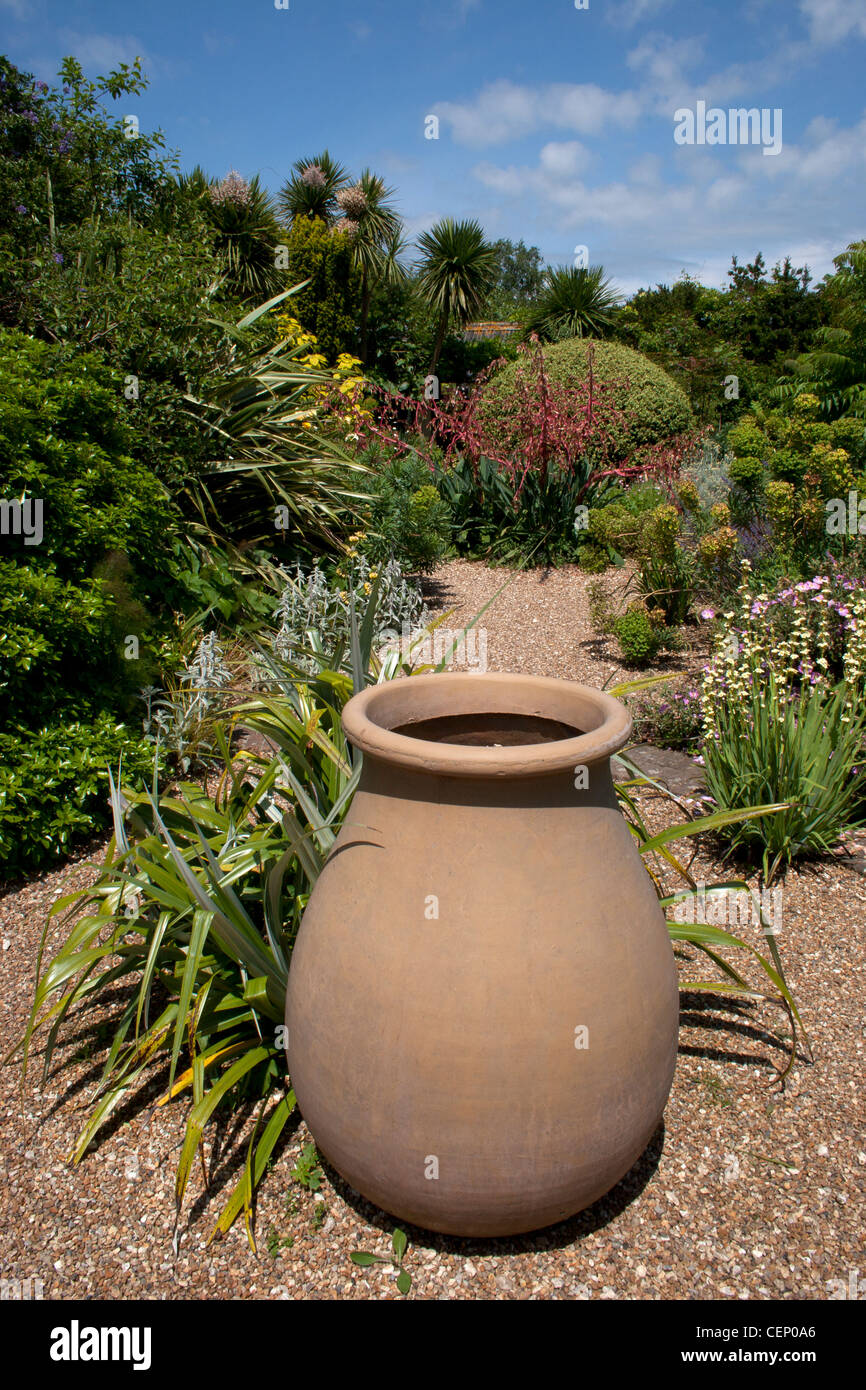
(482, 1003)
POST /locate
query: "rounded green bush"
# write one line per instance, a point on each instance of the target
(639, 639)
(787, 465)
(655, 406)
(748, 471)
(746, 439)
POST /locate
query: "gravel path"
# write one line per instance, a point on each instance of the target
(751, 1191)
(539, 622)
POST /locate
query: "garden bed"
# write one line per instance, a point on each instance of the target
(753, 1190)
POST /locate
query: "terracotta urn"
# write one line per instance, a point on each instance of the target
(482, 1004)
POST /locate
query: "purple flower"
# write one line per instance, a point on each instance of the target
(58, 257)
(21, 208)
(707, 614)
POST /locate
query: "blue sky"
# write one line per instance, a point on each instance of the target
(555, 123)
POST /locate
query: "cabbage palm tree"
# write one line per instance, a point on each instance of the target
(312, 189)
(246, 233)
(455, 273)
(574, 303)
(378, 242)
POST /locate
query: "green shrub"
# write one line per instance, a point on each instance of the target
(640, 639)
(61, 648)
(329, 305)
(787, 465)
(655, 407)
(772, 743)
(593, 558)
(747, 471)
(409, 520)
(746, 439)
(64, 440)
(54, 787)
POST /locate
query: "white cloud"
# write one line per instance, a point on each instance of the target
(831, 21)
(628, 13)
(665, 60)
(563, 158)
(504, 110)
(104, 51)
(694, 211)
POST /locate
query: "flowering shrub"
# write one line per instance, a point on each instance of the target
(672, 720)
(315, 613)
(788, 468)
(777, 728)
(180, 721)
(343, 401)
(232, 189)
(812, 630)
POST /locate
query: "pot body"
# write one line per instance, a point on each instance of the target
(482, 1004)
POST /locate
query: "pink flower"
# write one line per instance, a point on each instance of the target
(707, 614)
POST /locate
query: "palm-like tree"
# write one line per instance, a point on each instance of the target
(574, 303)
(312, 189)
(378, 242)
(455, 273)
(246, 232)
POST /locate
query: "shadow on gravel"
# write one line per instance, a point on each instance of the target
(565, 1233)
(739, 1023)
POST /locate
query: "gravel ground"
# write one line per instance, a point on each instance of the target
(751, 1191)
(539, 622)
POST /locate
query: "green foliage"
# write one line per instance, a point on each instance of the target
(142, 298)
(716, 944)
(54, 787)
(197, 909)
(66, 159)
(311, 190)
(61, 647)
(747, 472)
(409, 520)
(455, 274)
(246, 234)
(640, 639)
(518, 275)
(835, 368)
(329, 304)
(306, 1172)
(273, 477)
(399, 1243)
(655, 408)
(64, 438)
(541, 530)
(785, 472)
(573, 303)
(800, 747)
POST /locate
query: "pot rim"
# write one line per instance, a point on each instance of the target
(369, 719)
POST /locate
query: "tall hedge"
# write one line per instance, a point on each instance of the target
(655, 406)
(329, 306)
